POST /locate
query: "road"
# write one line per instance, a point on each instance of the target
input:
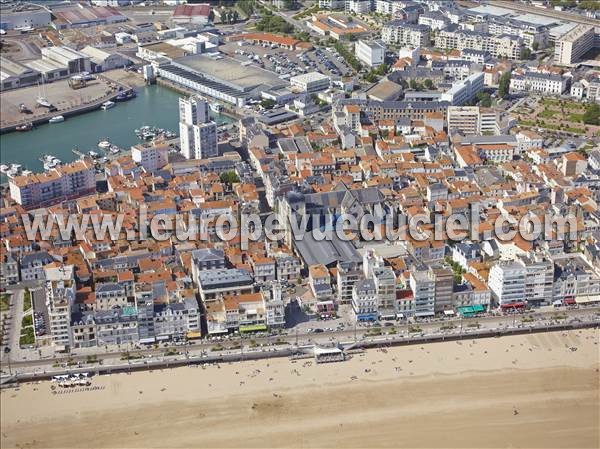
(232, 346)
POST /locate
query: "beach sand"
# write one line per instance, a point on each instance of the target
(518, 391)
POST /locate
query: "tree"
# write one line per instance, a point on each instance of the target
(485, 99)
(525, 53)
(535, 46)
(592, 115)
(229, 177)
(504, 85)
(428, 84)
(267, 103)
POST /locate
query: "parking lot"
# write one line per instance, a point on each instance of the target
(287, 63)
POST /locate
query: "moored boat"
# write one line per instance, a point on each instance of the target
(57, 119)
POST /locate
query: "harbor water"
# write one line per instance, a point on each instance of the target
(154, 106)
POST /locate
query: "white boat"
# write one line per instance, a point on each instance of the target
(107, 105)
(42, 101)
(27, 172)
(56, 119)
(93, 154)
(104, 144)
(216, 107)
(114, 149)
(4, 168)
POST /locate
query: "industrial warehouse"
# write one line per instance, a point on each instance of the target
(221, 77)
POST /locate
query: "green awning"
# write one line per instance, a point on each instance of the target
(253, 328)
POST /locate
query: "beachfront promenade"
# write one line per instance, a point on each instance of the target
(209, 352)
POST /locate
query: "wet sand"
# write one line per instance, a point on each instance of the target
(524, 391)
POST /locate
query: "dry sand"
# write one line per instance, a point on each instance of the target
(519, 391)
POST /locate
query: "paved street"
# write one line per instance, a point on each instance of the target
(343, 332)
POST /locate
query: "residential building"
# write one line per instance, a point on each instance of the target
(385, 287)
(216, 283)
(364, 300)
(464, 91)
(572, 45)
(497, 46)
(443, 279)
(60, 297)
(545, 83)
(348, 274)
(398, 32)
(67, 181)
(423, 289)
(197, 133)
(319, 281)
(151, 157)
(358, 6)
(507, 282)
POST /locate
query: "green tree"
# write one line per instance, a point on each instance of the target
(485, 99)
(592, 115)
(504, 85)
(428, 84)
(525, 53)
(267, 103)
(535, 46)
(229, 178)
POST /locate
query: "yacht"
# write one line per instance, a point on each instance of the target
(57, 119)
(104, 144)
(107, 105)
(93, 154)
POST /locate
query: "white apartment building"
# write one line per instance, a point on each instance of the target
(197, 133)
(593, 91)
(310, 82)
(364, 300)
(152, 157)
(571, 46)
(332, 4)
(465, 90)
(497, 46)
(58, 184)
(472, 120)
(358, 6)
(385, 286)
(507, 282)
(434, 20)
(60, 296)
(527, 139)
(423, 288)
(371, 54)
(545, 83)
(539, 281)
(398, 32)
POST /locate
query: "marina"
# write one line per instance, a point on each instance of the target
(154, 107)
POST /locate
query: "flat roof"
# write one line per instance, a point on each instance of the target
(229, 70)
(537, 20)
(492, 10)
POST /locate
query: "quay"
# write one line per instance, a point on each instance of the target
(69, 102)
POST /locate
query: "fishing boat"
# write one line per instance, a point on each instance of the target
(25, 127)
(93, 154)
(114, 149)
(107, 105)
(104, 144)
(125, 95)
(57, 119)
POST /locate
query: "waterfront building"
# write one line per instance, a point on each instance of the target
(151, 157)
(423, 288)
(364, 300)
(197, 133)
(507, 282)
(58, 184)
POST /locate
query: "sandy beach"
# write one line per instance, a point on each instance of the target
(532, 391)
